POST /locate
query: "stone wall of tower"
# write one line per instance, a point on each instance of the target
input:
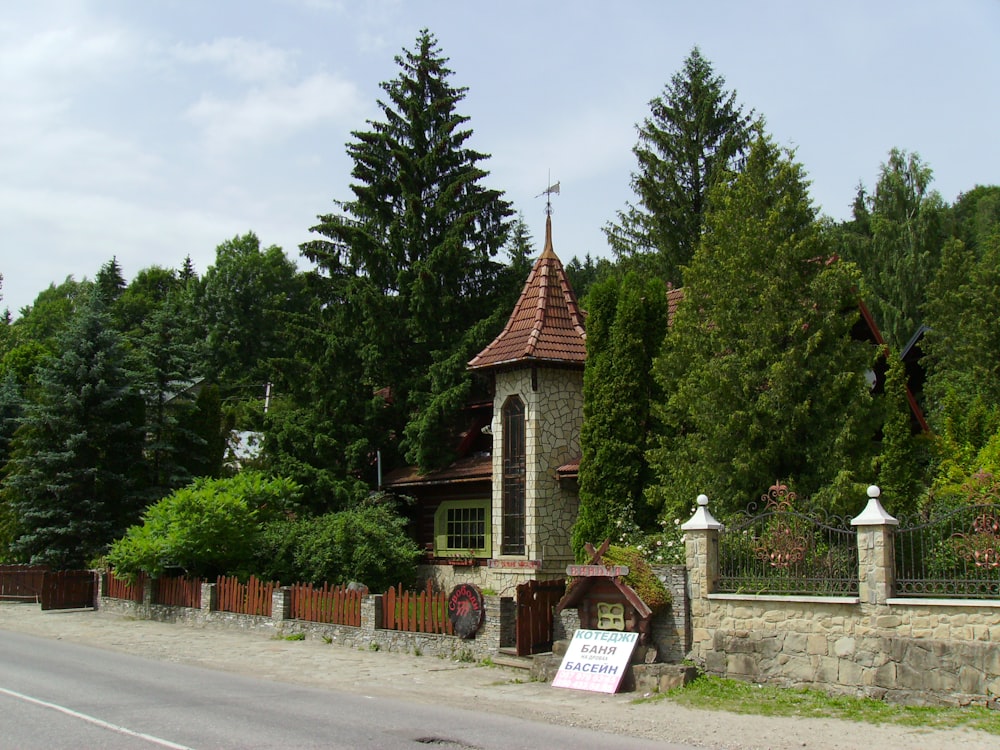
(553, 416)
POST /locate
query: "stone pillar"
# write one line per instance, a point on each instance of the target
(209, 597)
(701, 545)
(281, 604)
(371, 613)
(491, 632)
(876, 551)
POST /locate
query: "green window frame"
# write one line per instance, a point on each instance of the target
(463, 527)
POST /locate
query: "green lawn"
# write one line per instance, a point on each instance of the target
(748, 698)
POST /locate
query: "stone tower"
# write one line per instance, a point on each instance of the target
(537, 366)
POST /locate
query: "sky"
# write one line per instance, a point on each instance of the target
(153, 131)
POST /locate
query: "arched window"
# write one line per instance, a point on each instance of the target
(513, 476)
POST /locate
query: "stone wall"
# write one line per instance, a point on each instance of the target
(907, 650)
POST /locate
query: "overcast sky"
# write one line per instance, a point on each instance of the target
(154, 130)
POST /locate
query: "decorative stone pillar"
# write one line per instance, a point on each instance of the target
(876, 551)
(281, 604)
(701, 546)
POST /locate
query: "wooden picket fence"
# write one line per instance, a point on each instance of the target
(22, 582)
(178, 591)
(424, 612)
(335, 605)
(119, 588)
(250, 598)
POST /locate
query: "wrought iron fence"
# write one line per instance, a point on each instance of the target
(771, 548)
(950, 554)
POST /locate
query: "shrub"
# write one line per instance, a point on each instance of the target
(210, 527)
(368, 544)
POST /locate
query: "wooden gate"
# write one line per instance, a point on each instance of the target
(22, 582)
(69, 589)
(535, 602)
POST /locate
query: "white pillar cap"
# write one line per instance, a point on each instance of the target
(874, 514)
(702, 518)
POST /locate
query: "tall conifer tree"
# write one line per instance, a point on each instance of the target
(896, 240)
(763, 380)
(74, 459)
(695, 134)
(625, 327)
(411, 258)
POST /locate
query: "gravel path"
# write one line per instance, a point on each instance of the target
(433, 680)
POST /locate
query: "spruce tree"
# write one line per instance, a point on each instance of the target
(695, 134)
(762, 378)
(413, 255)
(75, 457)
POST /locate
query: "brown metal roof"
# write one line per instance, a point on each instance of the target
(476, 468)
(547, 324)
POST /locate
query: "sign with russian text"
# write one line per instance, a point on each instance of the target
(594, 571)
(514, 564)
(466, 610)
(596, 660)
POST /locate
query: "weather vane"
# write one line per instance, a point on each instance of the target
(548, 196)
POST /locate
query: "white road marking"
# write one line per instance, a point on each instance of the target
(95, 721)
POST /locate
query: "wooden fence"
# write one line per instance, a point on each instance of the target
(69, 589)
(120, 588)
(250, 598)
(424, 612)
(333, 605)
(22, 582)
(177, 591)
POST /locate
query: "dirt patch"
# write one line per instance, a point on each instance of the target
(476, 687)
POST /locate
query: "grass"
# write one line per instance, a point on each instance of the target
(719, 694)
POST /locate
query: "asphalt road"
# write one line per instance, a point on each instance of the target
(55, 695)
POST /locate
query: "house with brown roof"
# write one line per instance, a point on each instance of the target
(502, 513)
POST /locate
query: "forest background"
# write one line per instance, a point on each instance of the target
(121, 403)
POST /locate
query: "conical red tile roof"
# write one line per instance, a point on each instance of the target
(547, 324)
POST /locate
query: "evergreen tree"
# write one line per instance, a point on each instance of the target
(695, 135)
(977, 216)
(165, 370)
(110, 282)
(247, 302)
(761, 376)
(74, 458)
(413, 253)
(625, 327)
(962, 348)
(895, 240)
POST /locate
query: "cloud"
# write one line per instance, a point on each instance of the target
(243, 59)
(275, 112)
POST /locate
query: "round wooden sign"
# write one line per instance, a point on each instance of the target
(466, 610)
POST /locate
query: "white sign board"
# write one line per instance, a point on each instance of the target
(596, 660)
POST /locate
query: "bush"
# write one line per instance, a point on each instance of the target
(209, 528)
(641, 577)
(368, 544)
